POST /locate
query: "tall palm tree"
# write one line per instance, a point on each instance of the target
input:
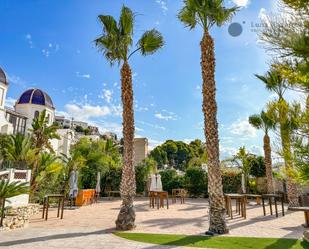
(208, 13)
(279, 110)
(116, 44)
(263, 122)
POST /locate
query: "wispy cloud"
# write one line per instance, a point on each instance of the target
(87, 76)
(155, 126)
(29, 40)
(163, 6)
(165, 115)
(10, 102)
(241, 3)
(107, 95)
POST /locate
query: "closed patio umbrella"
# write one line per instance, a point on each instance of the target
(98, 187)
(73, 184)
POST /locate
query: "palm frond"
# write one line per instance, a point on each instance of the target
(150, 42)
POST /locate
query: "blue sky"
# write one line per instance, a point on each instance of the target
(49, 45)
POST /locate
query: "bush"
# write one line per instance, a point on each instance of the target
(195, 180)
(231, 180)
(166, 176)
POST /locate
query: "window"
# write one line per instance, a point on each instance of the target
(48, 118)
(36, 114)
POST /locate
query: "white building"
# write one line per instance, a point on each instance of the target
(28, 107)
(5, 126)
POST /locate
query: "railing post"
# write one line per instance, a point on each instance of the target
(11, 175)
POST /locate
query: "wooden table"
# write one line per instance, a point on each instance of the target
(46, 205)
(306, 212)
(157, 197)
(240, 204)
(112, 194)
(257, 198)
(180, 193)
(270, 197)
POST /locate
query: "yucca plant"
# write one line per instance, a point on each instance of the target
(10, 189)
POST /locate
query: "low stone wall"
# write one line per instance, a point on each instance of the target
(18, 217)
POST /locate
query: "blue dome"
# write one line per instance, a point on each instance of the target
(3, 77)
(36, 97)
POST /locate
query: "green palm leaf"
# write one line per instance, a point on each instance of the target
(150, 42)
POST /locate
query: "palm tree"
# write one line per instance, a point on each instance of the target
(8, 190)
(263, 122)
(116, 44)
(208, 13)
(279, 110)
(19, 151)
(41, 134)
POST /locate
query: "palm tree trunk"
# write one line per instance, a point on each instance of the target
(216, 199)
(126, 216)
(268, 164)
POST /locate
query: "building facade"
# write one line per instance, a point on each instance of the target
(140, 149)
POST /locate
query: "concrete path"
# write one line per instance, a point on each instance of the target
(90, 227)
(37, 238)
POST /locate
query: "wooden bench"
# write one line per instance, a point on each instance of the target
(306, 212)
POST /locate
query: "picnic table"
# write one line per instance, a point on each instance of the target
(178, 193)
(257, 198)
(271, 197)
(46, 205)
(306, 212)
(240, 204)
(158, 197)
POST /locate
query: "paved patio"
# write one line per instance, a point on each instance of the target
(90, 226)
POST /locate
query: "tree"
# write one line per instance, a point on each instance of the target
(41, 134)
(8, 190)
(208, 13)
(278, 111)
(19, 151)
(263, 122)
(116, 43)
(286, 36)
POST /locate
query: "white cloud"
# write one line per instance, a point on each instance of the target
(86, 112)
(17, 81)
(241, 3)
(29, 40)
(227, 151)
(107, 95)
(10, 102)
(153, 143)
(165, 115)
(87, 76)
(163, 6)
(45, 52)
(242, 128)
(263, 16)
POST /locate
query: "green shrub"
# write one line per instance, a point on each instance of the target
(231, 180)
(195, 180)
(166, 176)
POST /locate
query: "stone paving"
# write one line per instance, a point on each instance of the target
(91, 226)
